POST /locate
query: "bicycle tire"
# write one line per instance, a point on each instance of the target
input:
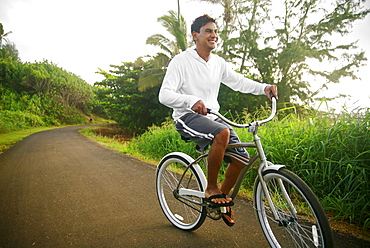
(309, 227)
(181, 213)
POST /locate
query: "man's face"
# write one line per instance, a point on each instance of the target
(207, 38)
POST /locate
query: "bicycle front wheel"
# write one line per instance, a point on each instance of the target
(183, 211)
(301, 221)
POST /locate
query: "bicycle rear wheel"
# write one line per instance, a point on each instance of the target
(185, 212)
(302, 221)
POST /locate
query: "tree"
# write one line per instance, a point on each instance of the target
(175, 24)
(130, 108)
(279, 50)
(10, 74)
(40, 88)
(7, 48)
(3, 40)
(178, 9)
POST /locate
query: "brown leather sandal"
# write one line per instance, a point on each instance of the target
(229, 215)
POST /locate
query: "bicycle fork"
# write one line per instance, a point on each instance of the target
(266, 164)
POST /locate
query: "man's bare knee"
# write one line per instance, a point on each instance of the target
(222, 138)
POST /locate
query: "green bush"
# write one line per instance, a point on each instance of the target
(17, 120)
(158, 141)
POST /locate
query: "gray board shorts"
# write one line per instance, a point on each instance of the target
(202, 130)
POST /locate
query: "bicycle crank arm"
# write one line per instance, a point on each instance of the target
(191, 192)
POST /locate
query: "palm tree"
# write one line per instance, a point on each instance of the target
(175, 24)
(2, 35)
(228, 9)
(178, 9)
(7, 48)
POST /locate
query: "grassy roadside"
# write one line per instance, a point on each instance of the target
(163, 135)
(119, 146)
(9, 139)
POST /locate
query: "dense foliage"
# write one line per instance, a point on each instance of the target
(44, 90)
(39, 93)
(132, 109)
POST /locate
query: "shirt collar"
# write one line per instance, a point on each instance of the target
(194, 53)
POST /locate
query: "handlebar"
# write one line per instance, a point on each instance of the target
(255, 123)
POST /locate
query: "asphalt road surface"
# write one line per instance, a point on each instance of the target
(59, 189)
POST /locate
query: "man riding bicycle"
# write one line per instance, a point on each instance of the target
(190, 86)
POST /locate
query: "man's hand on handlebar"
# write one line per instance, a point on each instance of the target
(199, 107)
(271, 89)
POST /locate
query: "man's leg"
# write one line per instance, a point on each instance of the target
(235, 167)
(232, 174)
(215, 157)
(201, 129)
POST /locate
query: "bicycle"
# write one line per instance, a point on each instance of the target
(289, 213)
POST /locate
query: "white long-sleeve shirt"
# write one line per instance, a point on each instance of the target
(190, 78)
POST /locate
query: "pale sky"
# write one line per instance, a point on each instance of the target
(82, 35)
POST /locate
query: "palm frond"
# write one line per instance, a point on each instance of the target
(160, 41)
(151, 78)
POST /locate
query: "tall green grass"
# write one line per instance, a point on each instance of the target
(330, 152)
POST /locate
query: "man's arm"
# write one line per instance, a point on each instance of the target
(169, 94)
(238, 82)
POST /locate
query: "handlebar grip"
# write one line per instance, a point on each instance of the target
(209, 111)
(272, 95)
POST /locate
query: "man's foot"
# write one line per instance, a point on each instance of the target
(219, 200)
(229, 217)
(217, 196)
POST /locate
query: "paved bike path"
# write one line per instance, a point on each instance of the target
(59, 189)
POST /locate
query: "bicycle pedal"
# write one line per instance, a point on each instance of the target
(223, 210)
(213, 213)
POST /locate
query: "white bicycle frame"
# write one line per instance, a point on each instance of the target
(264, 165)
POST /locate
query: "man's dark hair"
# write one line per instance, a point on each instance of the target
(200, 22)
